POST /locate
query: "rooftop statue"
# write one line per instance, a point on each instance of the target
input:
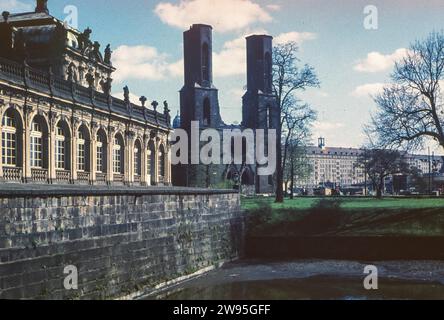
(108, 52)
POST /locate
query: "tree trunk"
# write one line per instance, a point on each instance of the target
(379, 192)
(279, 169)
(292, 179)
(380, 188)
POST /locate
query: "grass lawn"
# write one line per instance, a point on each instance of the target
(346, 203)
(346, 216)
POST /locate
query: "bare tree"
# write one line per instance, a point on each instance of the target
(297, 166)
(379, 164)
(288, 78)
(411, 109)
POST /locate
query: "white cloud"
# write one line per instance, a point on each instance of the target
(324, 126)
(377, 62)
(15, 6)
(273, 7)
(176, 69)
(147, 63)
(368, 90)
(298, 37)
(226, 15)
(232, 60)
(143, 63)
(237, 92)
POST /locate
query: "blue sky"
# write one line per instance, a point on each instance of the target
(351, 61)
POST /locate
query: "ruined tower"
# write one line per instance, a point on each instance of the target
(259, 104)
(198, 97)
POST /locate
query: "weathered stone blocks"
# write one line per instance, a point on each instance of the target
(120, 243)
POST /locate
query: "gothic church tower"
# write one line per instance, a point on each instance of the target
(199, 98)
(259, 104)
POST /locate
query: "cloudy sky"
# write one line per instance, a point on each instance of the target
(352, 62)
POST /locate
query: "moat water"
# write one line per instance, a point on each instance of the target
(313, 280)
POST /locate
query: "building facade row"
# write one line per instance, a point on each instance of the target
(339, 167)
(65, 134)
(58, 120)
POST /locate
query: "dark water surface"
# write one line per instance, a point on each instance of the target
(316, 288)
(313, 280)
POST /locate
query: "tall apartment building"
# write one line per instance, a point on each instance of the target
(336, 166)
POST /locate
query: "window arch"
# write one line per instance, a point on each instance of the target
(247, 178)
(151, 161)
(162, 157)
(269, 119)
(205, 62)
(39, 143)
(137, 158)
(12, 140)
(83, 149)
(268, 72)
(101, 151)
(207, 112)
(118, 154)
(62, 146)
(232, 174)
(244, 150)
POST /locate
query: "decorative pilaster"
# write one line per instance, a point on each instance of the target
(74, 146)
(109, 158)
(156, 162)
(52, 147)
(26, 152)
(1, 146)
(93, 153)
(144, 161)
(129, 157)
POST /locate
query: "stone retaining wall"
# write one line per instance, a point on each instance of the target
(120, 241)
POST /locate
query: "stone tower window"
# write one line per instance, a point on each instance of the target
(207, 112)
(269, 120)
(268, 72)
(205, 62)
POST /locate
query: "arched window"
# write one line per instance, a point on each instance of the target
(101, 151)
(118, 155)
(151, 159)
(11, 142)
(62, 146)
(205, 62)
(247, 178)
(268, 72)
(137, 158)
(244, 150)
(206, 112)
(83, 149)
(161, 162)
(39, 143)
(269, 121)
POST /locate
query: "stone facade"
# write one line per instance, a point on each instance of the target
(121, 241)
(59, 123)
